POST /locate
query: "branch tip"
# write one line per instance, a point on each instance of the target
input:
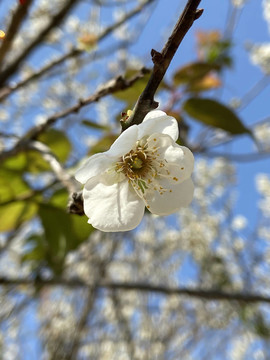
(198, 13)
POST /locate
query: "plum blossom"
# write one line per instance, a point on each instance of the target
(260, 55)
(143, 167)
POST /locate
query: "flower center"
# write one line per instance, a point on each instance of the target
(143, 167)
(135, 164)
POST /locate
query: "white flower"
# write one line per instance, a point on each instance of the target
(239, 222)
(143, 167)
(266, 11)
(260, 55)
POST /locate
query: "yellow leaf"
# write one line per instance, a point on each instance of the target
(208, 82)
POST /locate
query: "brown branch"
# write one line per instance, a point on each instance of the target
(55, 20)
(15, 24)
(114, 85)
(144, 287)
(162, 61)
(73, 53)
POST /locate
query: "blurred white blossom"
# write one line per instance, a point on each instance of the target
(260, 55)
(239, 222)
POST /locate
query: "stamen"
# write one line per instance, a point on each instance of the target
(143, 166)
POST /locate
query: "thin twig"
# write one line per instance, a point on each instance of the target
(14, 26)
(254, 91)
(145, 287)
(73, 53)
(55, 20)
(161, 62)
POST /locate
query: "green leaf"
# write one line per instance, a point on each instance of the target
(32, 161)
(17, 162)
(103, 144)
(58, 230)
(13, 211)
(131, 95)
(213, 113)
(193, 72)
(12, 185)
(14, 214)
(63, 232)
(27, 161)
(208, 82)
(36, 163)
(57, 141)
(94, 125)
(82, 229)
(59, 198)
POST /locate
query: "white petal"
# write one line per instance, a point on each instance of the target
(179, 159)
(158, 122)
(93, 166)
(154, 114)
(170, 202)
(112, 208)
(125, 142)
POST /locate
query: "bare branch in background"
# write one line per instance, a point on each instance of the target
(254, 91)
(14, 26)
(162, 61)
(73, 53)
(198, 293)
(55, 21)
(110, 87)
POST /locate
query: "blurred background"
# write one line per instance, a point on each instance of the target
(177, 287)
